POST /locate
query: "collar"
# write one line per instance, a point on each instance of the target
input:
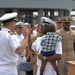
(49, 33)
(65, 31)
(18, 35)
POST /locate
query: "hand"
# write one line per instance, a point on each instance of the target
(40, 56)
(30, 54)
(29, 31)
(26, 32)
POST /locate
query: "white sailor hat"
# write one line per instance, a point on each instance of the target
(9, 16)
(36, 25)
(72, 26)
(26, 24)
(47, 20)
(19, 24)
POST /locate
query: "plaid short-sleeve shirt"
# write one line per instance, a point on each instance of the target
(49, 41)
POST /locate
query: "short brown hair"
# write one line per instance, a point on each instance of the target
(49, 28)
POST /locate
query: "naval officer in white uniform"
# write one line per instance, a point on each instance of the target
(21, 58)
(10, 46)
(49, 70)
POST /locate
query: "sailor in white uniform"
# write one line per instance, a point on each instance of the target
(21, 58)
(37, 46)
(18, 30)
(10, 46)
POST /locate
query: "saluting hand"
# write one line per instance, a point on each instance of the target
(25, 32)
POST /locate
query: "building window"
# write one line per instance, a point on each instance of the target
(72, 13)
(56, 13)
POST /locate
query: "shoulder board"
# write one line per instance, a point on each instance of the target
(11, 33)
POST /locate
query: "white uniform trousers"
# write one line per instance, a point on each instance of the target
(8, 70)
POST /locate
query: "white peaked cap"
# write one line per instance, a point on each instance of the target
(48, 20)
(19, 23)
(36, 25)
(72, 26)
(26, 24)
(8, 16)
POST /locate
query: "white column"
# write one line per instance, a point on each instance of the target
(40, 14)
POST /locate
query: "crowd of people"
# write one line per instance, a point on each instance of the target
(42, 49)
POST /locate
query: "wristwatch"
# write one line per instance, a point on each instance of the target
(44, 57)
